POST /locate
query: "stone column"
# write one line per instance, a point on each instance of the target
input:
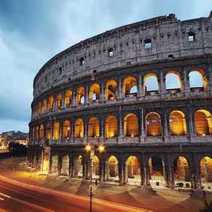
(186, 81)
(102, 91)
(120, 92)
(61, 132)
(169, 172)
(139, 85)
(63, 100)
(74, 96)
(102, 129)
(120, 122)
(102, 169)
(210, 79)
(162, 84)
(121, 165)
(195, 170)
(85, 121)
(190, 122)
(86, 95)
(166, 126)
(142, 129)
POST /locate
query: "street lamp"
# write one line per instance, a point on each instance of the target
(91, 150)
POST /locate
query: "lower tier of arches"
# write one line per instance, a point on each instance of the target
(176, 170)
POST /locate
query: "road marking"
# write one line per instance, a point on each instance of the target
(26, 203)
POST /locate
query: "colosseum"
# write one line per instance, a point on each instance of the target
(141, 93)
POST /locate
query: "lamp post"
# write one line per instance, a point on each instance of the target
(91, 150)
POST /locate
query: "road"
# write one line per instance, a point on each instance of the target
(17, 196)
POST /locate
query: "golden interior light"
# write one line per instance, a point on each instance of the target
(101, 148)
(88, 148)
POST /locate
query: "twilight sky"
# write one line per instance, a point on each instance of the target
(32, 31)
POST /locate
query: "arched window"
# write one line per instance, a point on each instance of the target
(151, 82)
(80, 96)
(206, 169)
(173, 81)
(41, 131)
(94, 92)
(93, 127)
(111, 127)
(59, 102)
(131, 125)
(50, 103)
(181, 169)
(153, 124)
(56, 130)
(110, 90)
(177, 123)
(68, 98)
(130, 86)
(112, 168)
(66, 129)
(203, 122)
(79, 128)
(44, 106)
(196, 80)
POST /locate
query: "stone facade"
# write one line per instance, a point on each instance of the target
(98, 91)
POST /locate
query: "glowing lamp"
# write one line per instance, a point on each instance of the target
(88, 148)
(101, 148)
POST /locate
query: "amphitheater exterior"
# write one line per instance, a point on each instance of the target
(142, 90)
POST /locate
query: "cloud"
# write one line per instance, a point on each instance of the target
(31, 32)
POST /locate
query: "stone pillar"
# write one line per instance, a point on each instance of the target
(120, 92)
(74, 96)
(210, 79)
(195, 170)
(162, 84)
(186, 81)
(170, 172)
(61, 131)
(102, 91)
(85, 121)
(63, 100)
(102, 169)
(54, 103)
(120, 122)
(71, 167)
(102, 128)
(59, 164)
(122, 177)
(165, 126)
(142, 129)
(86, 95)
(190, 122)
(146, 173)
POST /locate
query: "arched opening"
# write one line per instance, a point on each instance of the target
(68, 98)
(50, 103)
(66, 129)
(111, 127)
(79, 128)
(203, 122)
(151, 82)
(54, 164)
(93, 127)
(44, 106)
(130, 86)
(133, 171)
(157, 171)
(56, 131)
(112, 170)
(197, 79)
(153, 124)
(96, 169)
(131, 125)
(182, 172)
(177, 123)
(94, 92)
(41, 134)
(80, 97)
(172, 81)
(59, 102)
(206, 172)
(65, 165)
(78, 166)
(111, 90)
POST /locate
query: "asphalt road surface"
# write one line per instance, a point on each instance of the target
(18, 197)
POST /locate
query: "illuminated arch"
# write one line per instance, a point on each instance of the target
(203, 122)
(197, 79)
(112, 171)
(65, 165)
(206, 169)
(56, 130)
(131, 128)
(66, 129)
(133, 170)
(93, 127)
(111, 127)
(41, 133)
(68, 98)
(78, 166)
(130, 86)
(50, 103)
(153, 124)
(59, 101)
(151, 82)
(96, 170)
(94, 92)
(181, 169)
(79, 128)
(110, 90)
(80, 97)
(173, 81)
(177, 123)
(44, 106)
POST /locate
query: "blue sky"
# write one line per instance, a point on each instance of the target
(33, 31)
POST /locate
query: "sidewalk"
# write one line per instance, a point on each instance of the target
(163, 200)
